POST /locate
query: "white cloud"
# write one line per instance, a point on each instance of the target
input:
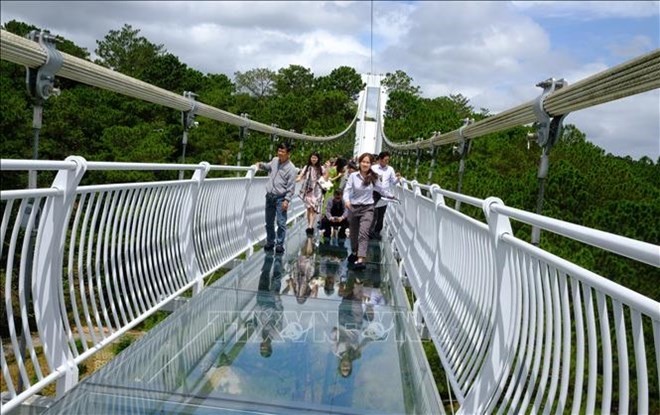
(491, 52)
(629, 126)
(587, 10)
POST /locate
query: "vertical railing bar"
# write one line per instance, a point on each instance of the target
(593, 349)
(528, 350)
(97, 262)
(73, 245)
(175, 245)
(63, 304)
(566, 347)
(115, 255)
(36, 207)
(136, 212)
(472, 311)
(522, 333)
(159, 240)
(5, 372)
(143, 275)
(125, 265)
(198, 233)
(606, 394)
(81, 267)
(207, 247)
(551, 325)
(8, 290)
(622, 355)
(538, 349)
(109, 269)
(579, 344)
(222, 237)
(514, 332)
(149, 276)
(182, 194)
(90, 272)
(487, 324)
(640, 362)
(656, 342)
(5, 223)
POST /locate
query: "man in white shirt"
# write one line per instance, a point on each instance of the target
(388, 178)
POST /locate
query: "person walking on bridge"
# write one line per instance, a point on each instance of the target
(311, 192)
(359, 200)
(279, 192)
(388, 178)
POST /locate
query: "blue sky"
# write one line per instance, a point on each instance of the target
(491, 52)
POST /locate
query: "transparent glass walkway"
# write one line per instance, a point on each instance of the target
(295, 333)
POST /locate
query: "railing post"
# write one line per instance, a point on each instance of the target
(486, 387)
(188, 213)
(188, 121)
(463, 148)
(250, 176)
(549, 131)
(47, 275)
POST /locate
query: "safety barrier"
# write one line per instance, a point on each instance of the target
(108, 256)
(516, 327)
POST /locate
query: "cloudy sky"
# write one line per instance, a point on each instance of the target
(492, 53)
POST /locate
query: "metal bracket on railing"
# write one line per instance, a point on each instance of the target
(243, 132)
(462, 148)
(273, 139)
(417, 151)
(432, 166)
(188, 121)
(547, 134)
(41, 81)
(548, 128)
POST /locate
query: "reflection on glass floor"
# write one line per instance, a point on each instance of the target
(295, 333)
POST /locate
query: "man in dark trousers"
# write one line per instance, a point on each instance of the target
(336, 216)
(388, 179)
(279, 192)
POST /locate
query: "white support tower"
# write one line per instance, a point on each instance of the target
(372, 101)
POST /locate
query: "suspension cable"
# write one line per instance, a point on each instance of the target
(23, 51)
(633, 77)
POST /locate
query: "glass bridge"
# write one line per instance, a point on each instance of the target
(295, 333)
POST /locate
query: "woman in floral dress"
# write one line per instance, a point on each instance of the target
(310, 191)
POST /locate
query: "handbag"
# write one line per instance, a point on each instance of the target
(325, 184)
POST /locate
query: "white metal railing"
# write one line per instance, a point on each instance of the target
(92, 262)
(516, 327)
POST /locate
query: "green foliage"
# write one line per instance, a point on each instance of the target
(122, 344)
(124, 51)
(258, 82)
(400, 81)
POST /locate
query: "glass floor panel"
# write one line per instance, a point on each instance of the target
(300, 332)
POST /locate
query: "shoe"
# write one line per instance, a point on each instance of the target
(359, 266)
(310, 231)
(352, 258)
(269, 247)
(279, 249)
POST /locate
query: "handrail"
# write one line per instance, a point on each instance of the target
(107, 256)
(516, 327)
(633, 77)
(16, 49)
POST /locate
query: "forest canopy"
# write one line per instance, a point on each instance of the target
(585, 184)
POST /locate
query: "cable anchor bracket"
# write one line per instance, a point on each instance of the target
(188, 117)
(548, 128)
(40, 81)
